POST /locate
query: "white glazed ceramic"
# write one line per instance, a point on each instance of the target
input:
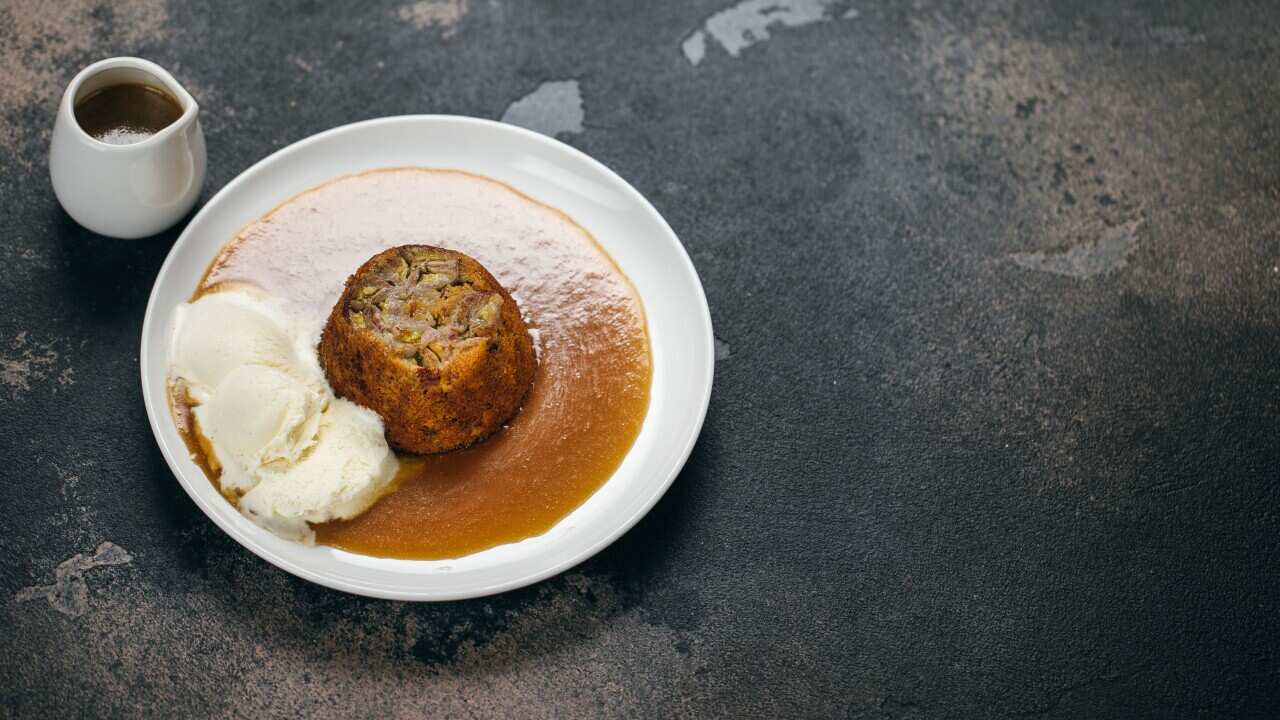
(127, 191)
(619, 217)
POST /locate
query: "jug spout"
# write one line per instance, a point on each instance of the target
(130, 189)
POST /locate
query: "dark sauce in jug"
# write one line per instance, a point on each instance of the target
(126, 114)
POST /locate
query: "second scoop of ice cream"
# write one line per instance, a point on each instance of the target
(331, 481)
(262, 415)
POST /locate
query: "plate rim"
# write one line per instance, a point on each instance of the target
(371, 589)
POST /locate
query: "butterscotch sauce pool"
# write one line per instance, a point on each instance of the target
(590, 391)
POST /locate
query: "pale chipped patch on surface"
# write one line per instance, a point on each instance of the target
(443, 14)
(27, 361)
(723, 350)
(739, 27)
(43, 44)
(69, 593)
(1022, 99)
(1061, 152)
(695, 47)
(1110, 252)
(554, 108)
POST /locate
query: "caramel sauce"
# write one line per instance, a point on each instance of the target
(590, 391)
(127, 113)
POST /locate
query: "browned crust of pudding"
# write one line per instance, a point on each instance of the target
(429, 340)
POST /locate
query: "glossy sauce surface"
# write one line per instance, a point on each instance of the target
(127, 113)
(591, 388)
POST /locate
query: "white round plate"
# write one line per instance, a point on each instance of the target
(628, 227)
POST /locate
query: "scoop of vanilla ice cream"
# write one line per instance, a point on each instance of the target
(222, 331)
(259, 415)
(338, 478)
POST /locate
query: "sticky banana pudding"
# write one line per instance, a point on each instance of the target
(430, 341)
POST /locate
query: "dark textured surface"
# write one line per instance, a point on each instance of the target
(995, 424)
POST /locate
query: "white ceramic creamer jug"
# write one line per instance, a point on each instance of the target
(127, 191)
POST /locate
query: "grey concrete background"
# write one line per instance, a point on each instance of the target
(995, 424)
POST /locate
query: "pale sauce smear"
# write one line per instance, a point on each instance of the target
(591, 388)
